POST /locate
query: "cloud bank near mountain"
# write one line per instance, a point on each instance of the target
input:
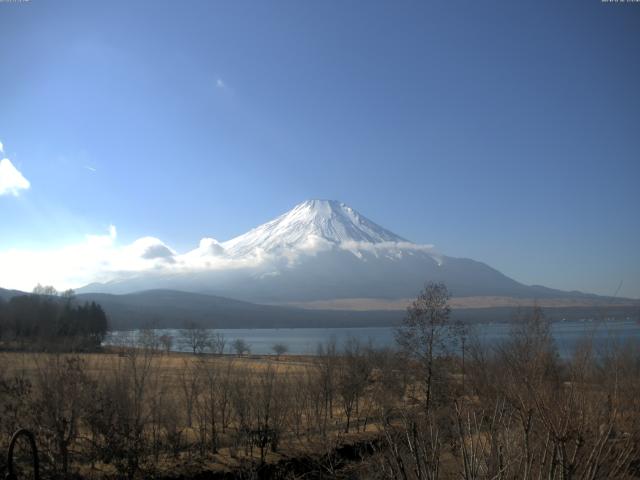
(101, 258)
(319, 250)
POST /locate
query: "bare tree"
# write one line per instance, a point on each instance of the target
(299, 393)
(167, 342)
(195, 337)
(327, 362)
(426, 332)
(269, 410)
(218, 343)
(279, 349)
(208, 404)
(149, 339)
(190, 385)
(46, 290)
(353, 373)
(241, 347)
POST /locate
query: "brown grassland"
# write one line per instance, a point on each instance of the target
(423, 411)
(181, 412)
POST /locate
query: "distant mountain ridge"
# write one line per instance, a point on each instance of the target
(322, 264)
(318, 251)
(173, 309)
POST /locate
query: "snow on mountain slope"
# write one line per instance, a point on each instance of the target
(324, 220)
(319, 250)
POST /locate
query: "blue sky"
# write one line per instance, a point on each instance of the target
(507, 132)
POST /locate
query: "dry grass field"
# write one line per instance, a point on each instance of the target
(172, 364)
(513, 411)
(186, 412)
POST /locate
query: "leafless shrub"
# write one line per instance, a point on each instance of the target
(119, 414)
(190, 385)
(15, 405)
(557, 419)
(57, 405)
(353, 374)
(212, 402)
(326, 363)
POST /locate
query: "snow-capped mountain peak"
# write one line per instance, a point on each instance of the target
(319, 250)
(329, 220)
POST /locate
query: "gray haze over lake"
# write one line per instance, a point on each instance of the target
(304, 341)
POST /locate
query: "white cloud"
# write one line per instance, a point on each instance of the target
(208, 247)
(100, 258)
(1, 148)
(11, 180)
(97, 258)
(103, 240)
(220, 83)
(151, 248)
(66, 267)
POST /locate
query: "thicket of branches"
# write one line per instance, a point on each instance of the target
(442, 405)
(126, 413)
(512, 410)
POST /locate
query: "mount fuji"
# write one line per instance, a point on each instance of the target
(319, 252)
(329, 220)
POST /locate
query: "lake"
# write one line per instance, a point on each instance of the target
(305, 341)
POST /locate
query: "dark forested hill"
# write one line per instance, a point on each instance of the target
(173, 309)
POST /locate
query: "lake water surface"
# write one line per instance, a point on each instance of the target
(305, 340)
